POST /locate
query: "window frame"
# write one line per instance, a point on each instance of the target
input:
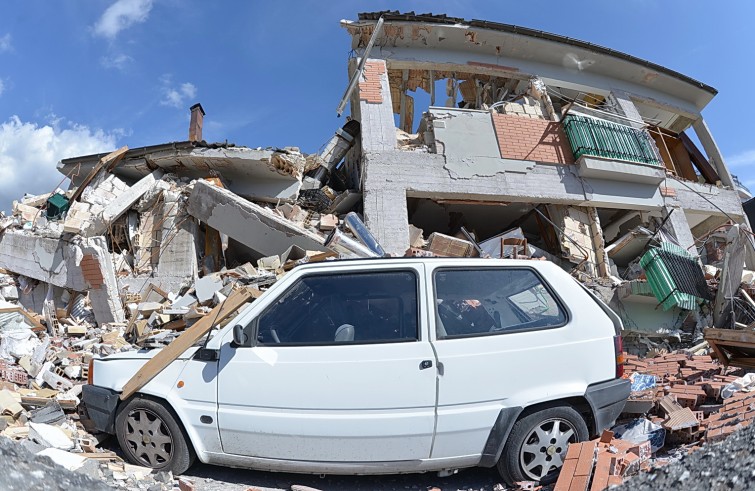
(418, 300)
(549, 288)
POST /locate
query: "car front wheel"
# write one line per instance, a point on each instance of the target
(150, 436)
(537, 444)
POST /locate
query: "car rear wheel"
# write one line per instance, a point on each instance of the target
(537, 444)
(150, 436)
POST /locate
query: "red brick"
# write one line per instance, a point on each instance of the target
(579, 483)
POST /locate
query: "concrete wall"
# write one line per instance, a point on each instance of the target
(59, 262)
(530, 168)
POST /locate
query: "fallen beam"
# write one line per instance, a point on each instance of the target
(254, 226)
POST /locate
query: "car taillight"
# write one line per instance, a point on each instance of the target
(90, 372)
(618, 347)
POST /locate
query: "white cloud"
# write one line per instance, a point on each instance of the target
(176, 95)
(2, 86)
(118, 61)
(122, 15)
(741, 159)
(5, 43)
(29, 154)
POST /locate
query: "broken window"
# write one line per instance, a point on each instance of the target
(344, 309)
(461, 90)
(474, 302)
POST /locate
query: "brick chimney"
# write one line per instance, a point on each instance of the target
(195, 125)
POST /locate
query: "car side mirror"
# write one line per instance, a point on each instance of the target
(240, 336)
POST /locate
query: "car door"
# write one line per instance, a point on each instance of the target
(504, 338)
(340, 372)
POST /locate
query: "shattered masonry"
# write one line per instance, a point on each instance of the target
(503, 161)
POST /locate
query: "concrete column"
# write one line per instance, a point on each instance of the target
(539, 90)
(376, 109)
(105, 298)
(386, 215)
(714, 154)
(679, 227)
(601, 257)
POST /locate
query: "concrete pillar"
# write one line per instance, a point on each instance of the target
(679, 227)
(376, 108)
(539, 90)
(178, 254)
(386, 215)
(601, 257)
(104, 295)
(714, 154)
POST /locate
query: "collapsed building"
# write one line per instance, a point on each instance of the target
(465, 138)
(586, 153)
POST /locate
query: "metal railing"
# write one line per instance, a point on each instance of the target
(740, 186)
(601, 138)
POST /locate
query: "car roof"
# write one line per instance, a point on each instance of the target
(435, 261)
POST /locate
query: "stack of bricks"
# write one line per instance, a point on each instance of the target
(370, 84)
(600, 463)
(738, 412)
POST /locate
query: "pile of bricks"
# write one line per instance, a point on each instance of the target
(737, 413)
(686, 402)
(600, 463)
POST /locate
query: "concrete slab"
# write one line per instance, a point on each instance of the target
(207, 286)
(254, 226)
(121, 203)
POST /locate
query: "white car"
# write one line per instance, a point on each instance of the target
(382, 366)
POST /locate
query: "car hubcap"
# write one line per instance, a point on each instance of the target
(148, 437)
(544, 448)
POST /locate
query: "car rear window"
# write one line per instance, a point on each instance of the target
(473, 302)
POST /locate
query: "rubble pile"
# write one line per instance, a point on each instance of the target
(679, 404)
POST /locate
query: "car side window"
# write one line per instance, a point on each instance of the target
(472, 302)
(343, 308)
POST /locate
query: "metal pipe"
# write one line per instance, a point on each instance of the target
(360, 68)
(342, 244)
(362, 233)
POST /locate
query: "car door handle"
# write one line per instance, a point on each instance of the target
(425, 364)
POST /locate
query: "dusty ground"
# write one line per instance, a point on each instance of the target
(213, 478)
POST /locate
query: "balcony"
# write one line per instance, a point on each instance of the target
(607, 150)
(600, 138)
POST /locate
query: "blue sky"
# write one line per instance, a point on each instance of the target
(79, 77)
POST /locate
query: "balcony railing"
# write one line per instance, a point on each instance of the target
(600, 138)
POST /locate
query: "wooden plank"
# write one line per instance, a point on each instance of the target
(696, 156)
(723, 335)
(106, 162)
(742, 362)
(722, 357)
(186, 340)
(34, 322)
(660, 143)
(682, 160)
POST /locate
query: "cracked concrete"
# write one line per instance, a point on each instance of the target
(254, 226)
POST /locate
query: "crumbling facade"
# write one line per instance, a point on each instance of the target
(493, 127)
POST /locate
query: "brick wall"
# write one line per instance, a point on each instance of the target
(370, 89)
(90, 268)
(531, 139)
